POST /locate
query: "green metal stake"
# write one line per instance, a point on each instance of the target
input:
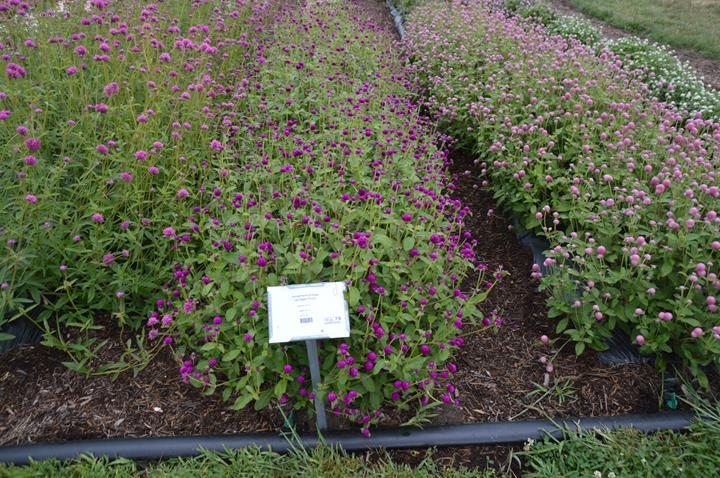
(320, 418)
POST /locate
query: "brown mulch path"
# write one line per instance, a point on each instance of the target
(706, 67)
(498, 371)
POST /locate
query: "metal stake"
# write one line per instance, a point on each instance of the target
(314, 360)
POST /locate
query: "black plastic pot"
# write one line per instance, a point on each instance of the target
(500, 433)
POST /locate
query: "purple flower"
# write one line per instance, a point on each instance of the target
(97, 217)
(31, 198)
(111, 89)
(33, 144)
(14, 70)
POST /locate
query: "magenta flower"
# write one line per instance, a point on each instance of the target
(31, 198)
(14, 70)
(111, 89)
(169, 232)
(97, 217)
(33, 144)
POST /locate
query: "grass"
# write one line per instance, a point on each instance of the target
(320, 462)
(689, 24)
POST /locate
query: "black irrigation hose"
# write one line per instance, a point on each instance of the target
(397, 18)
(500, 433)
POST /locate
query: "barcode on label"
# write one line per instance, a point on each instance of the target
(306, 320)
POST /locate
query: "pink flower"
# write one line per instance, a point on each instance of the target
(697, 332)
(640, 340)
(97, 217)
(182, 193)
(168, 232)
(31, 198)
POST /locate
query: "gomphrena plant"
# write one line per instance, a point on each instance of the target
(110, 112)
(335, 177)
(624, 187)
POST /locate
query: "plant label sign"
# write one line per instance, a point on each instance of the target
(308, 312)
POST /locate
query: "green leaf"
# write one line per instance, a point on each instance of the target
(231, 314)
(408, 243)
(375, 400)
(368, 383)
(4, 336)
(241, 402)
(579, 348)
(353, 296)
(264, 399)
(232, 355)
(555, 312)
(280, 388)
(562, 325)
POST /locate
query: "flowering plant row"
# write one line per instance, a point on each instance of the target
(667, 77)
(625, 189)
(335, 178)
(108, 115)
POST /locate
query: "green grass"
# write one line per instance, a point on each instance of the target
(627, 453)
(322, 462)
(689, 24)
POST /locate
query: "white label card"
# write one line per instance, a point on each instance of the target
(307, 311)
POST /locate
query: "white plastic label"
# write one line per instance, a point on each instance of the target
(307, 311)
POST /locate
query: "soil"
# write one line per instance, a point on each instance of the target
(706, 67)
(42, 400)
